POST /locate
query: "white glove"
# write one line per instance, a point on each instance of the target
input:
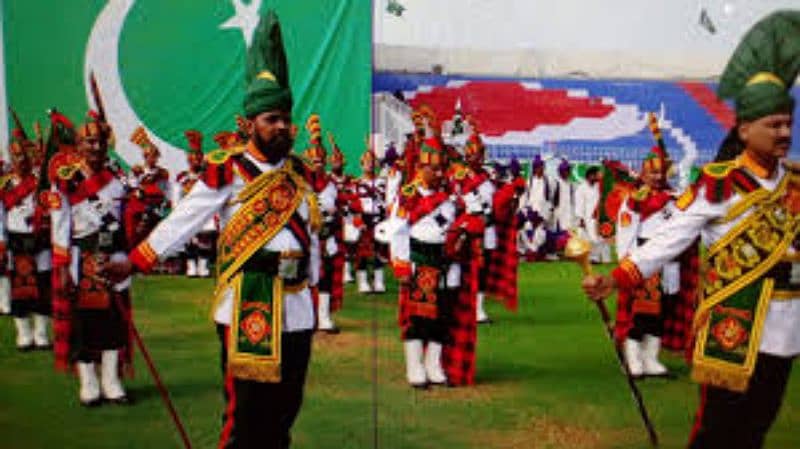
(287, 268)
(330, 246)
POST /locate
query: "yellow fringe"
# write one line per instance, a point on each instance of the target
(729, 379)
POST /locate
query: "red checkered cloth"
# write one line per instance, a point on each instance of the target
(458, 356)
(365, 246)
(62, 324)
(642, 299)
(679, 315)
(337, 283)
(677, 311)
(501, 268)
(63, 319)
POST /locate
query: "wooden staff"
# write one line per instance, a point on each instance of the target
(578, 250)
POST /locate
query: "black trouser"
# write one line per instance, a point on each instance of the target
(325, 282)
(731, 420)
(438, 329)
(24, 307)
(644, 324)
(258, 414)
(483, 275)
(98, 330)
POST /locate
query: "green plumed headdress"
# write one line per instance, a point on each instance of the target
(267, 75)
(764, 67)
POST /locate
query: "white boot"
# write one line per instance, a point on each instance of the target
(89, 394)
(378, 286)
(24, 333)
(651, 345)
(415, 371)
(41, 325)
(480, 313)
(348, 273)
(109, 377)
(191, 268)
(363, 283)
(5, 296)
(324, 321)
(433, 363)
(202, 267)
(633, 357)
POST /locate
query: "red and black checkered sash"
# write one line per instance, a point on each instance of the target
(458, 357)
(13, 196)
(503, 262)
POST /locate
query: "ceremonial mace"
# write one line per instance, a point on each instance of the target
(578, 249)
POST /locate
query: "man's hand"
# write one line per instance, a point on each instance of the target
(118, 271)
(598, 287)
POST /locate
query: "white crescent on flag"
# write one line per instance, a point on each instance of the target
(102, 58)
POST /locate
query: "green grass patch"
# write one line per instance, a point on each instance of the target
(547, 378)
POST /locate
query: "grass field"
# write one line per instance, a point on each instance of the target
(547, 378)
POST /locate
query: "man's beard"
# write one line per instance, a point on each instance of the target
(277, 148)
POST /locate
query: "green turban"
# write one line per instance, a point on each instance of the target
(764, 67)
(267, 75)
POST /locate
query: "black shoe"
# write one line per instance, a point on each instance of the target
(46, 347)
(122, 400)
(332, 331)
(423, 386)
(26, 348)
(92, 403)
(486, 321)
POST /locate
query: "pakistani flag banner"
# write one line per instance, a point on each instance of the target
(176, 65)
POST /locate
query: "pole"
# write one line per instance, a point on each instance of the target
(156, 378)
(578, 250)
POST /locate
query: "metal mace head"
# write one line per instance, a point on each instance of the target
(578, 250)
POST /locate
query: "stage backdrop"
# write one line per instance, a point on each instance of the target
(581, 120)
(176, 65)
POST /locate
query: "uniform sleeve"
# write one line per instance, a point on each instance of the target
(60, 228)
(172, 233)
(627, 229)
(669, 241)
(3, 237)
(175, 193)
(314, 260)
(327, 198)
(400, 242)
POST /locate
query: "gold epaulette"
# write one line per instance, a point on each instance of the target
(219, 156)
(719, 170)
(409, 189)
(641, 193)
(4, 180)
(66, 171)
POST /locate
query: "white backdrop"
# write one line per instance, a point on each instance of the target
(545, 38)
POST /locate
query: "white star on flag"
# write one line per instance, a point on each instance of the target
(246, 18)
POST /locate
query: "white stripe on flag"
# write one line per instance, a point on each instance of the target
(3, 104)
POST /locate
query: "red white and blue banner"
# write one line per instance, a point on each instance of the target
(582, 120)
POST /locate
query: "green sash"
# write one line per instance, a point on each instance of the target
(736, 293)
(254, 342)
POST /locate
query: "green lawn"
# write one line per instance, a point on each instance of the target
(547, 378)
